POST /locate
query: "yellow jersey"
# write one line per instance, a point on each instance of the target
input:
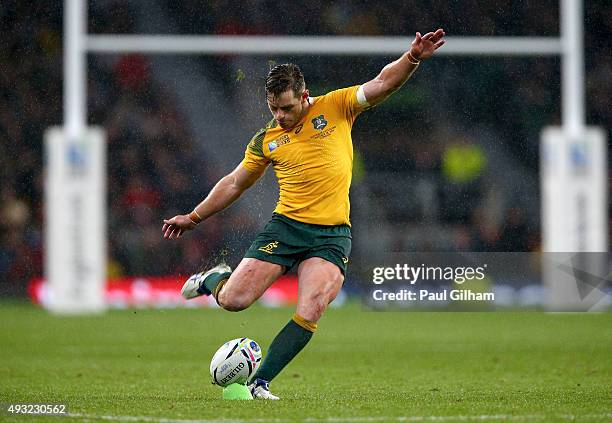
(313, 161)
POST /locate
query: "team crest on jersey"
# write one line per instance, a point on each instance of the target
(319, 122)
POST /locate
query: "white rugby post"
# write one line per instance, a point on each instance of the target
(556, 211)
(573, 175)
(75, 206)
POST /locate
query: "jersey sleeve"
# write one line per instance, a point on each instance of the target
(254, 158)
(347, 100)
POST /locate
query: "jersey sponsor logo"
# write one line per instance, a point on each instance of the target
(298, 129)
(269, 248)
(345, 260)
(319, 122)
(274, 144)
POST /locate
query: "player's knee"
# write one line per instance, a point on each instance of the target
(233, 301)
(332, 289)
(331, 296)
(323, 298)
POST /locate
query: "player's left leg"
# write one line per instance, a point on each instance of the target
(319, 283)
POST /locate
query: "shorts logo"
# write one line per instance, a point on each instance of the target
(269, 248)
(319, 122)
(345, 260)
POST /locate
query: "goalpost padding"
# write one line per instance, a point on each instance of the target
(75, 220)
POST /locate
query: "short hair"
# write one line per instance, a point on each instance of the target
(284, 77)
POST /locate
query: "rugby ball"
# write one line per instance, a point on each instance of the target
(235, 362)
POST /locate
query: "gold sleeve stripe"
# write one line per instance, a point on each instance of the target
(309, 326)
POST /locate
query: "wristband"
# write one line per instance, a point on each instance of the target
(195, 217)
(412, 59)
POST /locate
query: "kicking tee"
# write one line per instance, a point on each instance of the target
(313, 161)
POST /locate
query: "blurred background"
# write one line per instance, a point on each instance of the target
(449, 163)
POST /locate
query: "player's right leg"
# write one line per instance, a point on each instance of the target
(234, 291)
(247, 283)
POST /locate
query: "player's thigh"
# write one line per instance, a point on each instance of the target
(248, 282)
(319, 283)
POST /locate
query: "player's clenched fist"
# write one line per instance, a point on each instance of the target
(174, 228)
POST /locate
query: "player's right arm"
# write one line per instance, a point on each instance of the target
(396, 73)
(225, 192)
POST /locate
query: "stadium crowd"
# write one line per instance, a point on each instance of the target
(157, 166)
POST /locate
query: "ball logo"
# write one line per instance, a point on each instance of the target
(231, 374)
(254, 346)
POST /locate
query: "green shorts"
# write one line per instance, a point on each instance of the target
(288, 242)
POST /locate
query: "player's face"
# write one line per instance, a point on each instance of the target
(288, 108)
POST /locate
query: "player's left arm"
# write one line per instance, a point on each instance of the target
(396, 73)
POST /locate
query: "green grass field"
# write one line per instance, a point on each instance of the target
(152, 365)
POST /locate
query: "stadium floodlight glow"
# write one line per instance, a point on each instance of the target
(569, 46)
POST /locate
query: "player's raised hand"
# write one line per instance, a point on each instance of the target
(175, 227)
(423, 47)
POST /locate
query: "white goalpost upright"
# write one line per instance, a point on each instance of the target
(75, 188)
(573, 182)
(75, 193)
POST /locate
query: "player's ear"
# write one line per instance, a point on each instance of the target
(305, 95)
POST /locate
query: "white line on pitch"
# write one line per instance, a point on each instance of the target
(356, 419)
(153, 419)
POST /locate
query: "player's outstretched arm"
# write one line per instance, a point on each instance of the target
(224, 193)
(393, 76)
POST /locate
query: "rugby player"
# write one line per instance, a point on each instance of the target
(308, 143)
